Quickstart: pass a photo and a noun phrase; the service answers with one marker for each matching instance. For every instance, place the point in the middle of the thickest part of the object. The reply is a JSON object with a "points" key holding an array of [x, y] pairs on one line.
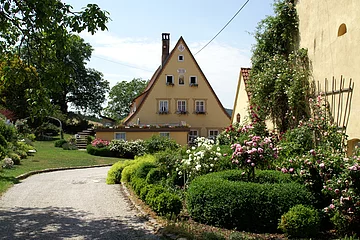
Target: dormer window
{"points": [[181, 58], [170, 80], [193, 81]]}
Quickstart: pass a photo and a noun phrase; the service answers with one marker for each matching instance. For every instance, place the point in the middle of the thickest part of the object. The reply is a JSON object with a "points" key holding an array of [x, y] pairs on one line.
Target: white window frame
{"points": [[165, 134], [181, 56], [198, 106], [211, 133], [163, 106], [122, 136], [168, 82], [193, 83], [181, 106]]}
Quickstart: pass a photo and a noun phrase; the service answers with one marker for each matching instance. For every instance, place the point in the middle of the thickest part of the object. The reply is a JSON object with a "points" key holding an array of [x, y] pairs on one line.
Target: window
{"points": [[181, 58], [193, 134], [200, 107], [181, 80], [163, 106], [120, 136], [193, 81], [165, 134], [169, 80], [181, 106], [213, 134]]}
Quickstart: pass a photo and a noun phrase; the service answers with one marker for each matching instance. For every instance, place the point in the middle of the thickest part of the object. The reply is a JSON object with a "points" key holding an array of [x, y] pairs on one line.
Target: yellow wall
{"points": [[241, 103], [215, 117], [330, 54], [179, 137]]}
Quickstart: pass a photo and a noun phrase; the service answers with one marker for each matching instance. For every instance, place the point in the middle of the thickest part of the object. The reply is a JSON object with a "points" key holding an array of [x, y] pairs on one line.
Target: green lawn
{"points": [[48, 156]]}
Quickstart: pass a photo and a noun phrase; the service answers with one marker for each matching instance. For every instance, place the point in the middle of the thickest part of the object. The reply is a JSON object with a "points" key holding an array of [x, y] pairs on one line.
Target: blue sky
{"points": [[132, 44]]}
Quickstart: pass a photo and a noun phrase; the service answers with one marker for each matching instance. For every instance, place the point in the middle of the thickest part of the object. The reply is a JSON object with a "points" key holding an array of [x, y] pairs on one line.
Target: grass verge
{"points": [[48, 156]]}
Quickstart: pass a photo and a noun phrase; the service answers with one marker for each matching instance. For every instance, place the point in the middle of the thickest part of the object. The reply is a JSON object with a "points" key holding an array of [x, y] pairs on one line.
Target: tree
{"points": [[28, 30], [121, 96], [280, 70]]}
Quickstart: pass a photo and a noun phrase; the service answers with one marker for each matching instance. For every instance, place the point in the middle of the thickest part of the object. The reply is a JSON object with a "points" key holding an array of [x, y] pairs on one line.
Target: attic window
{"points": [[342, 29], [193, 81], [169, 80], [181, 58]]}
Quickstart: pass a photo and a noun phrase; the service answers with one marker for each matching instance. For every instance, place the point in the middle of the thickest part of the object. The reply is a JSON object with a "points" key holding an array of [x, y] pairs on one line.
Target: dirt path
{"points": [[72, 204]]}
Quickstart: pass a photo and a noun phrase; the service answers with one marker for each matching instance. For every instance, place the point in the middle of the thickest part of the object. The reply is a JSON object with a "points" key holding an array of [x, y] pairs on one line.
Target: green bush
{"points": [[144, 169], [59, 143], [103, 152], [145, 190], [114, 174], [155, 175], [224, 199], [153, 193], [129, 171], [157, 143], [16, 158], [21, 153], [8, 131], [137, 184], [69, 146], [300, 222], [128, 149], [167, 204]]}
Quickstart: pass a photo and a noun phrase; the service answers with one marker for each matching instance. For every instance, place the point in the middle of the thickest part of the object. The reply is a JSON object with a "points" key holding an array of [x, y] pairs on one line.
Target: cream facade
{"points": [[331, 33], [179, 94], [242, 98]]}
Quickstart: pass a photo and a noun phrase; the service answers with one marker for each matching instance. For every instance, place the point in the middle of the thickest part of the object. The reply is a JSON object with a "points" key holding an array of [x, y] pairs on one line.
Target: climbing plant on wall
{"points": [[280, 70]]}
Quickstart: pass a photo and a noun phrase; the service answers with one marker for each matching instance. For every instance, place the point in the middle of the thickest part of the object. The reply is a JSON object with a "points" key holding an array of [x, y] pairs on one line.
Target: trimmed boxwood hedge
{"points": [[225, 199], [102, 152]]}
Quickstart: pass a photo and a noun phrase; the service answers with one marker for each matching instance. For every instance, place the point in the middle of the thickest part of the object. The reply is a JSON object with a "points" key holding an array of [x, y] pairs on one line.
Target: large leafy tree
{"points": [[121, 96], [280, 70], [36, 33]]}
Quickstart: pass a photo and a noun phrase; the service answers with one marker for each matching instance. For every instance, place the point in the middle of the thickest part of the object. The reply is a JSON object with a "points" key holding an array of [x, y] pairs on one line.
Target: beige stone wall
{"points": [[332, 55]]}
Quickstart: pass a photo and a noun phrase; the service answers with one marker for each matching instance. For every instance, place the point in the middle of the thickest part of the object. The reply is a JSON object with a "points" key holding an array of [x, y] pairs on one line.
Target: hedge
{"points": [[102, 152], [224, 199], [114, 174]]}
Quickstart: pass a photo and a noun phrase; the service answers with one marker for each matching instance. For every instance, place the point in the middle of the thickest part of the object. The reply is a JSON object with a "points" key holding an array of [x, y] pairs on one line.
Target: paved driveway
{"points": [[72, 204]]}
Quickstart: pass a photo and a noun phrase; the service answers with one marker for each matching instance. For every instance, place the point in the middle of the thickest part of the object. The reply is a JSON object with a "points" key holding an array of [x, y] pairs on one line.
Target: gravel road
{"points": [[71, 204]]}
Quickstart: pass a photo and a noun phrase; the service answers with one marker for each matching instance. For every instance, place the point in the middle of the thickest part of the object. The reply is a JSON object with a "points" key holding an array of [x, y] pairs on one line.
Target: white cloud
{"points": [[220, 62]]}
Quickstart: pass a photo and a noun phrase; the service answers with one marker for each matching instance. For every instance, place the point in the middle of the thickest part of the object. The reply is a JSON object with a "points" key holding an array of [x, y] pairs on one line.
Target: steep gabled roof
{"points": [[158, 72]]}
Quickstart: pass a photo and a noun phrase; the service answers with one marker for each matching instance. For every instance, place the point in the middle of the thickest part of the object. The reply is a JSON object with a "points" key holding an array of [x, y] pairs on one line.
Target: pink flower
{"points": [[253, 164], [312, 152], [332, 206], [337, 191], [291, 170], [322, 165], [284, 170]]}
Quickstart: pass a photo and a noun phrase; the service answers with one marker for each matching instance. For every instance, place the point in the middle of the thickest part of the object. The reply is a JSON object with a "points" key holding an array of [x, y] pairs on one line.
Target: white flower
{"points": [[193, 148], [197, 167], [211, 165], [180, 173], [188, 151], [218, 149]]}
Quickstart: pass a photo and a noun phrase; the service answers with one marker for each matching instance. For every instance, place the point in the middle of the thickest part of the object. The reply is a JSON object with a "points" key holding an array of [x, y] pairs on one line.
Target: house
{"points": [[107, 121], [177, 98], [330, 32], [242, 98]]}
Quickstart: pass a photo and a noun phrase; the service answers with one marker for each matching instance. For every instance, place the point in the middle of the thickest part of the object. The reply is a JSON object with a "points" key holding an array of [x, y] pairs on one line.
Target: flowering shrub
{"points": [[99, 143], [128, 149], [344, 189], [201, 159], [256, 152], [7, 163]]}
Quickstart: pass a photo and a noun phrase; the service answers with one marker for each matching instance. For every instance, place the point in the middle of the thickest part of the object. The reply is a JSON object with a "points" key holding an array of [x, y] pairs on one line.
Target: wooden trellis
{"points": [[338, 101]]}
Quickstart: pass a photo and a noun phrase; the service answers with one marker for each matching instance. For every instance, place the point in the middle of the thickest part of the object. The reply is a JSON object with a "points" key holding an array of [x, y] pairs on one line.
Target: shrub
{"points": [[129, 171], [15, 158], [155, 175], [114, 174], [222, 200], [157, 143], [143, 169], [103, 152], [137, 184], [153, 193], [212, 236], [167, 204], [145, 190], [99, 143], [31, 137], [7, 163], [300, 222], [237, 236], [128, 149], [21, 153], [69, 146], [59, 143]]}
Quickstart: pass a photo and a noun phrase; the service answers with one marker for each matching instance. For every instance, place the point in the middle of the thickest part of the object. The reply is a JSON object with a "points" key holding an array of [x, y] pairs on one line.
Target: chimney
{"points": [[165, 46]]}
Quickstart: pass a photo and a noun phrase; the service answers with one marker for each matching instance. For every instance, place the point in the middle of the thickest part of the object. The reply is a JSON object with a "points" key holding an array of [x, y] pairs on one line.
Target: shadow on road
{"points": [[66, 223]]}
